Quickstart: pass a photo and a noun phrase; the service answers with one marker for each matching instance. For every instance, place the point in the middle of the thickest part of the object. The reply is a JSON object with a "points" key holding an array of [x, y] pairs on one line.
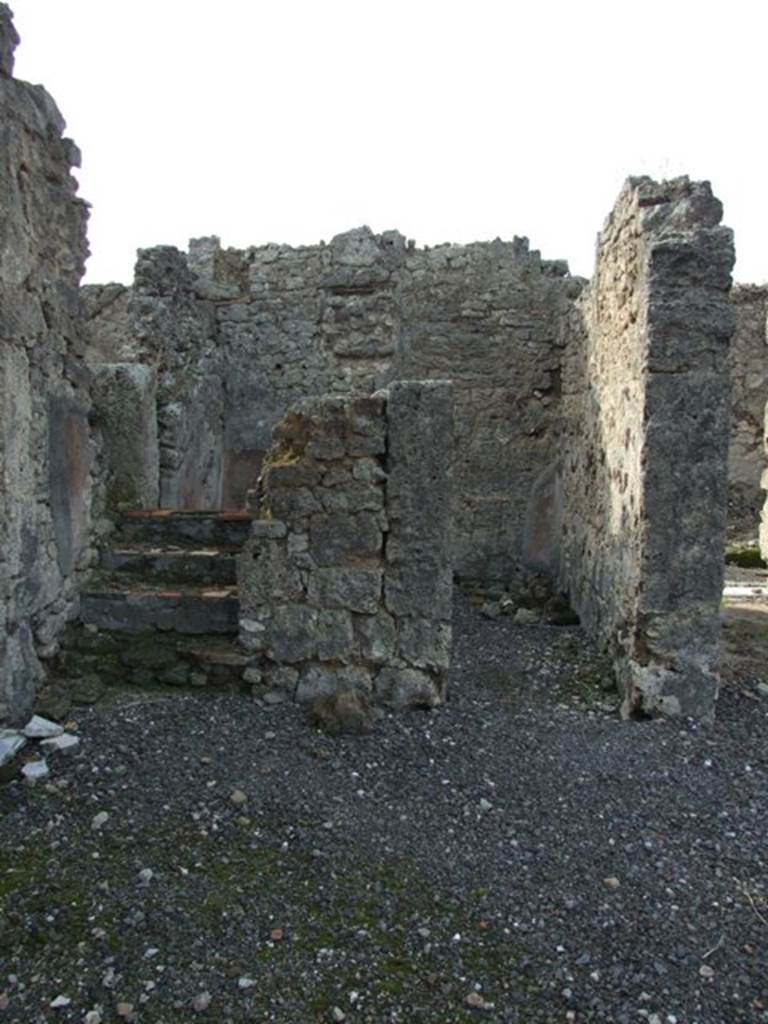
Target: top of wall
{"points": [[361, 255], [9, 40]]}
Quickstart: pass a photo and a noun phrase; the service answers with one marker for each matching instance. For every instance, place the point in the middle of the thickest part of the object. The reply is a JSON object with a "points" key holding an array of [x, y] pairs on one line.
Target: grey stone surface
{"points": [[38, 728], [645, 461], [9, 40], [125, 402], [11, 742], [349, 316], [748, 360], [46, 455], [108, 324], [319, 596]]}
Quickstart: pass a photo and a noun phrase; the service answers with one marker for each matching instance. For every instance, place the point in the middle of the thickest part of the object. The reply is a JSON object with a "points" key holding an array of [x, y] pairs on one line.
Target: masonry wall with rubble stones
{"points": [[749, 392], [645, 454], [287, 323], [346, 580], [46, 452]]}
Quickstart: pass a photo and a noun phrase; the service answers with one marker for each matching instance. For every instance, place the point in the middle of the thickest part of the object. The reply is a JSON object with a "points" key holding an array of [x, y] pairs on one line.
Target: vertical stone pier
{"points": [[46, 454], [645, 476]]}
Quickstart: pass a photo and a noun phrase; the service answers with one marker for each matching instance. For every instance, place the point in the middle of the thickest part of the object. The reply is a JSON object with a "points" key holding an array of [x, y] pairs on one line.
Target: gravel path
{"points": [[519, 856]]}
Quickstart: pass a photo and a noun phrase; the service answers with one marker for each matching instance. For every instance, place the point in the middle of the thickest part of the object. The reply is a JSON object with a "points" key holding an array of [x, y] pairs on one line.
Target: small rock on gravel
{"points": [[39, 728], [34, 771], [63, 742], [201, 1002], [476, 1002], [99, 820]]}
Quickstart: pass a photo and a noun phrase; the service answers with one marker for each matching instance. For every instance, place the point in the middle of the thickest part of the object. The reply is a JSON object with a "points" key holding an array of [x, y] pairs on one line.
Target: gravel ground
{"points": [[521, 855]]}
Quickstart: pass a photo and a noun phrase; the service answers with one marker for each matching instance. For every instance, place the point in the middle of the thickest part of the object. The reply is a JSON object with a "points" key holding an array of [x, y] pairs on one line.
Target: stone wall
{"points": [[749, 393], [645, 454], [165, 323], [46, 454], [346, 581], [350, 316]]}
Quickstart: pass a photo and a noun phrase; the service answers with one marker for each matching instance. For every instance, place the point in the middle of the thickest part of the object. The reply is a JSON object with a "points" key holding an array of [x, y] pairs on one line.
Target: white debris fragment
{"points": [[38, 728], [63, 742], [99, 820], [34, 771], [11, 742]]}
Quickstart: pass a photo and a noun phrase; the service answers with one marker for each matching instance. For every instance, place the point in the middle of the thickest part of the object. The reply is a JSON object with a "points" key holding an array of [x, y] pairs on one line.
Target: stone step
{"points": [[174, 528], [153, 657], [182, 565], [108, 605]]}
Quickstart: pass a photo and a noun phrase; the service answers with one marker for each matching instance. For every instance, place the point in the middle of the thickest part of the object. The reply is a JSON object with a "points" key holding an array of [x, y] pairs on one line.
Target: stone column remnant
{"points": [[645, 466], [345, 582]]}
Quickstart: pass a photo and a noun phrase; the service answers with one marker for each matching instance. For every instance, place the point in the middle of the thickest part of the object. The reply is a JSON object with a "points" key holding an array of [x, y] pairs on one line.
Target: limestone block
{"points": [[334, 539], [425, 643], [376, 637], [358, 590], [293, 633], [420, 589], [335, 636], [267, 574]]}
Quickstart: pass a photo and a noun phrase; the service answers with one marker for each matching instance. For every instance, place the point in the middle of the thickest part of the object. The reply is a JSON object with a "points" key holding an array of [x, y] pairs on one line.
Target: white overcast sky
{"points": [[457, 120]]}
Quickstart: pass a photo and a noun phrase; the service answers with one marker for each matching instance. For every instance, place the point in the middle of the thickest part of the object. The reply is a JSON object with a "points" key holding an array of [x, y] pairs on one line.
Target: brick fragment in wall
{"points": [[645, 460]]}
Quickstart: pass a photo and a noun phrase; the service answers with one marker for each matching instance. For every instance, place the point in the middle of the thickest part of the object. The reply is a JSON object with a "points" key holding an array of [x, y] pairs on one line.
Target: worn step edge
{"points": [[167, 611], [192, 565]]}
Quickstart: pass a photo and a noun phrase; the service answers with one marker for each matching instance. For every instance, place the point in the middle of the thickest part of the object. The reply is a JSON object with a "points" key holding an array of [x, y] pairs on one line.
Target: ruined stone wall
{"points": [[645, 456], [365, 309], [165, 323], [749, 392], [46, 456], [486, 316], [107, 323], [346, 581]]}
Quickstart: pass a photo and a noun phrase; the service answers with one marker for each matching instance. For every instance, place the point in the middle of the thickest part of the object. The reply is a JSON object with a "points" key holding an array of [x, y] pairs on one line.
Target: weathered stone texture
{"points": [[644, 471], [366, 309], [749, 391], [351, 587], [46, 455], [485, 316], [108, 324], [125, 410]]}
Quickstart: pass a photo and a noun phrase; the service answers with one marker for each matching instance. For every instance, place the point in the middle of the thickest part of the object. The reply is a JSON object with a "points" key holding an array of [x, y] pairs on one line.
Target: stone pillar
{"points": [[645, 470], [345, 583]]}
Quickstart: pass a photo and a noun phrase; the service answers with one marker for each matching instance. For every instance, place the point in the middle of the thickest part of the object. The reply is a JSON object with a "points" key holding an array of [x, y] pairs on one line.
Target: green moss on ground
{"points": [[745, 558]]}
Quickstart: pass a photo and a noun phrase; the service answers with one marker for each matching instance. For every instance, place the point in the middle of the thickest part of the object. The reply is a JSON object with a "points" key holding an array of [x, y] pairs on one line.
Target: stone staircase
{"points": [[163, 606]]}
